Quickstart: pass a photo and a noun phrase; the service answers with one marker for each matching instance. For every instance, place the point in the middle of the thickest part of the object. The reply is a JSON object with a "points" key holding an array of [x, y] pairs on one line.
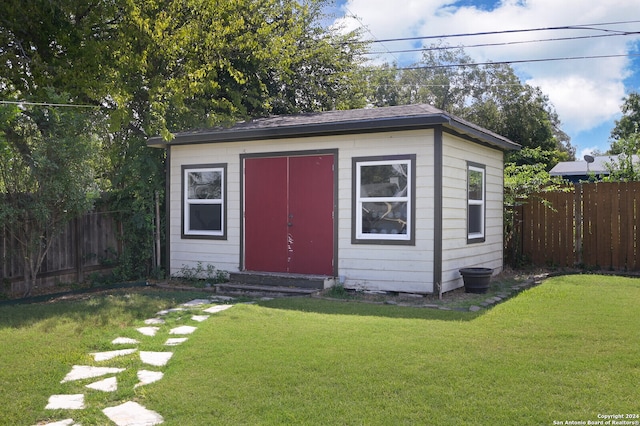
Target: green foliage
{"points": [[160, 67], [626, 166], [46, 176], [628, 125], [524, 182], [626, 143], [338, 292], [200, 275], [491, 96]]}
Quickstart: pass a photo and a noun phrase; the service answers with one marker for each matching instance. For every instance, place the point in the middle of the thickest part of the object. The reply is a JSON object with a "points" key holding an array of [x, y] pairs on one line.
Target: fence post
{"points": [[578, 223], [79, 226]]}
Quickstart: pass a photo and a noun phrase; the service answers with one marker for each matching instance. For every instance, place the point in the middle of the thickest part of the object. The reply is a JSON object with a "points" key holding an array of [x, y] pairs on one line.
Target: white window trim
{"points": [[477, 236], [187, 231], [361, 200]]}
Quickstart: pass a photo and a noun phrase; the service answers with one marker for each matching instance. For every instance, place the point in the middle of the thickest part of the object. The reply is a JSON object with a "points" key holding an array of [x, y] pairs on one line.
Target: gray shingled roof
{"points": [[402, 117], [580, 168]]}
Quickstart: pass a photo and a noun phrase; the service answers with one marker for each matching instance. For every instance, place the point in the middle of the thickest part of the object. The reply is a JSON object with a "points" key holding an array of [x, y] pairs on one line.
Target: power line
{"points": [[354, 16], [564, 27], [506, 43], [48, 104], [568, 58]]}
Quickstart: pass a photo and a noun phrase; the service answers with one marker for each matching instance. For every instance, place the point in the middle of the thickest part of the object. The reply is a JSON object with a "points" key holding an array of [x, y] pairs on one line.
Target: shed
{"points": [[393, 199]]}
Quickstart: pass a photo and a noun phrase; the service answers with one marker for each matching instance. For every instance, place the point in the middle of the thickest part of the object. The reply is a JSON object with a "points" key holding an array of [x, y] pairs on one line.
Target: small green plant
{"points": [[110, 257], [200, 275], [338, 292]]}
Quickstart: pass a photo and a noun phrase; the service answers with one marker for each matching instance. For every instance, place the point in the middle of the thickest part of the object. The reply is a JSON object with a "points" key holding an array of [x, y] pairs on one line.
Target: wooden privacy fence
{"points": [[87, 244], [594, 225]]}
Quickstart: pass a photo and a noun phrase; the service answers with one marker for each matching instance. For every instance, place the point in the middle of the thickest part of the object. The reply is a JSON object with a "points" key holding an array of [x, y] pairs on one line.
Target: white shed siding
{"points": [[382, 267], [456, 252], [223, 254], [389, 267]]}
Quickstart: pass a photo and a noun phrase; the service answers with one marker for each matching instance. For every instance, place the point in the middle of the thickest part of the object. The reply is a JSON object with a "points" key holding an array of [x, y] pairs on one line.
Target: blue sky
{"points": [[586, 93]]}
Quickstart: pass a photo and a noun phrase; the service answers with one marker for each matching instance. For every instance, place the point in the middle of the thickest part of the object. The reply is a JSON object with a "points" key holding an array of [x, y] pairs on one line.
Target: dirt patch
{"points": [[503, 286]]}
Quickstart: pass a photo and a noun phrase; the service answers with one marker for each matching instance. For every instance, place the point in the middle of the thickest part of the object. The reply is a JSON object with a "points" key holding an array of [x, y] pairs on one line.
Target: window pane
{"points": [[205, 217], [386, 180], [475, 185], [384, 218], [475, 219], [205, 185]]}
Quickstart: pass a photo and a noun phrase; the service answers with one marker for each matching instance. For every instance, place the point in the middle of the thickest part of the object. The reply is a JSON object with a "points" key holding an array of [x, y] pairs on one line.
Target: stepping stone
{"points": [[175, 341], [65, 422], [197, 302], [221, 299], [217, 308], [107, 385], [146, 377], [184, 329], [124, 341], [166, 311], [152, 321], [199, 318], [148, 331], [157, 359], [65, 402], [132, 414], [104, 356], [79, 372]]}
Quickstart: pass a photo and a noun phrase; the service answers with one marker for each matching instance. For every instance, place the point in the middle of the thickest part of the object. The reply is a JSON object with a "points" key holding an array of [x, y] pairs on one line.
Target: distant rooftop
{"points": [[582, 168]]}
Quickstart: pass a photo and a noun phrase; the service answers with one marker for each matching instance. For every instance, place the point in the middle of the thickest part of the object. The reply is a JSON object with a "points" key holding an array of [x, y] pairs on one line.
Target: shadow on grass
{"points": [[92, 308], [350, 307]]}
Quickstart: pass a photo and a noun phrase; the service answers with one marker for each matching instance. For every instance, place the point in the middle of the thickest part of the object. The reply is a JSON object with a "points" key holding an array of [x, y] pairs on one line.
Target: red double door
{"points": [[289, 214]]}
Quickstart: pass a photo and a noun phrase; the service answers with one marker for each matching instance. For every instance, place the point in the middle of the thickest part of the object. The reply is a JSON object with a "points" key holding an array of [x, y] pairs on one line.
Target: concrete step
{"points": [[253, 290], [266, 279]]}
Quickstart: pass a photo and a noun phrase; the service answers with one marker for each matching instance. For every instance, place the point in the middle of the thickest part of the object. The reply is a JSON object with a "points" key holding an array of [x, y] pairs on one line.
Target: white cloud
{"points": [[582, 103], [586, 93], [586, 151]]}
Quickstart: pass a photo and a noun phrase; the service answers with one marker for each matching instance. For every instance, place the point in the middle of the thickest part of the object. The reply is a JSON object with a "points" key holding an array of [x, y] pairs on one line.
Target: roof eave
{"points": [[303, 130], [386, 124], [495, 140]]}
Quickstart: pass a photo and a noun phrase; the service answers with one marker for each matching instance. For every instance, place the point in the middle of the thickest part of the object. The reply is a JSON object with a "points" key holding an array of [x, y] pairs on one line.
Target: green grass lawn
{"points": [[566, 350]]}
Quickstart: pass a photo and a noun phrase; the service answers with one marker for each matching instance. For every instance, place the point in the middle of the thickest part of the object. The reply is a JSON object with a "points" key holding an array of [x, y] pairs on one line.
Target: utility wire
{"points": [[48, 104], [354, 16], [506, 43], [564, 27], [568, 58]]}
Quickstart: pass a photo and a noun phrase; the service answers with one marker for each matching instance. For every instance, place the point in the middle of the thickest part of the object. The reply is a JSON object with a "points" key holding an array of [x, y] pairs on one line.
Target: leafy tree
{"points": [[382, 87], [46, 177], [626, 166], [489, 95], [524, 182], [627, 127], [494, 97], [161, 67], [435, 81]]}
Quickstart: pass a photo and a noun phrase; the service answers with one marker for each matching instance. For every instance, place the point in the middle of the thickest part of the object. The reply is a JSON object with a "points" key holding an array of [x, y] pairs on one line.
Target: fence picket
{"points": [[594, 225], [81, 247]]}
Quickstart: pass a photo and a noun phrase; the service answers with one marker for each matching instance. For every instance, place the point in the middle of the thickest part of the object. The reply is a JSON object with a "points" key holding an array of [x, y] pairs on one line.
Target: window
{"points": [[204, 206], [475, 202], [384, 200]]}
